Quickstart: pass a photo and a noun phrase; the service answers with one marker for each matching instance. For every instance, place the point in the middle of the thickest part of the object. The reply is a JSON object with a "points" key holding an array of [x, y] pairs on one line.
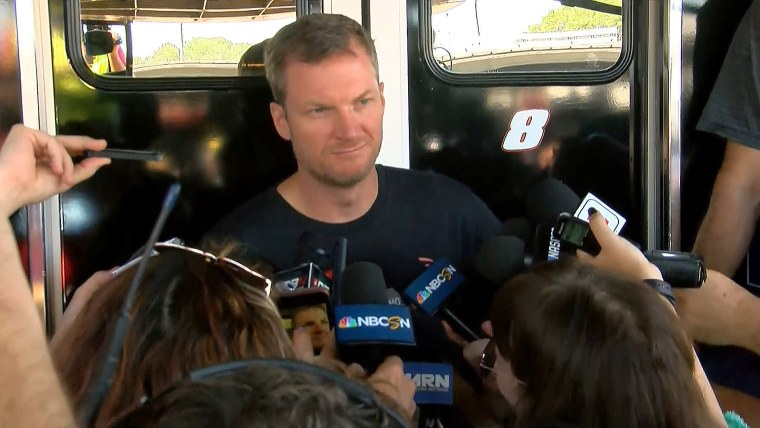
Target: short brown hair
{"points": [[311, 39], [596, 350], [262, 396]]}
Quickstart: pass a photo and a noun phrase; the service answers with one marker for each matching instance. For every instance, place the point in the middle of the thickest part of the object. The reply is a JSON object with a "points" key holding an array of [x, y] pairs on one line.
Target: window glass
{"points": [[179, 38], [503, 36]]}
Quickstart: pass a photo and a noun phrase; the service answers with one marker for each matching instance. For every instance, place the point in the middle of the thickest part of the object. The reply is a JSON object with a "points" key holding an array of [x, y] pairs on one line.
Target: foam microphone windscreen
{"points": [[311, 248], [500, 258], [519, 227], [363, 283], [547, 199]]}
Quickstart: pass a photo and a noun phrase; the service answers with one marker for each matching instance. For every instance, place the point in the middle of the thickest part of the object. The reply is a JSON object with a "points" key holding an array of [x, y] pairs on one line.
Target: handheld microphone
{"points": [[432, 287], [547, 199], [500, 258], [368, 329], [519, 227]]}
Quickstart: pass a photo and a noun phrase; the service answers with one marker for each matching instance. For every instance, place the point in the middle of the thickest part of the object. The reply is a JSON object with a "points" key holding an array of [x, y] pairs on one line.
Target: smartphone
{"points": [[310, 309], [124, 154]]}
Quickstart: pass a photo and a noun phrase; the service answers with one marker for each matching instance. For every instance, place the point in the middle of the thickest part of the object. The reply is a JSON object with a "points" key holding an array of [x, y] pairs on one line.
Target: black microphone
{"points": [[519, 227], [367, 328], [500, 258], [547, 199]]}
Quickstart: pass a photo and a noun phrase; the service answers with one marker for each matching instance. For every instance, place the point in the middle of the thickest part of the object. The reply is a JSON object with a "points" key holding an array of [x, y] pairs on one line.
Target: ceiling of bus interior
{"points": [[191, 10]]}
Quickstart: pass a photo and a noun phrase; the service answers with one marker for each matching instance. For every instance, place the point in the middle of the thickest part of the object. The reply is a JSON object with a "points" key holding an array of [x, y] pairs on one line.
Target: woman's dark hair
{"points": [[595, 350], [189, 313]]}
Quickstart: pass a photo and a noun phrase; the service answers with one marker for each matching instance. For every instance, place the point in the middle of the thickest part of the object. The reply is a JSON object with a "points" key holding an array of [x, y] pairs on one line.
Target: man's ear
{"points": [[280, 120], [382, 95]]}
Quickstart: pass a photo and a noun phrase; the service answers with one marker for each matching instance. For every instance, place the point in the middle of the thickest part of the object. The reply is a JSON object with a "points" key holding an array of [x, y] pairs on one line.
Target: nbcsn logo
{"points": [[394, 322], [422, 296], [347, 322]]}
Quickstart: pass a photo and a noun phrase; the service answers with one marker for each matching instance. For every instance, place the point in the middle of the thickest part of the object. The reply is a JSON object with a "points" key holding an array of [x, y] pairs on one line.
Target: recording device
{"points": [[564, 233], [432, 287], [679, 269], [367, 328], [307, 308], [124, 154]]}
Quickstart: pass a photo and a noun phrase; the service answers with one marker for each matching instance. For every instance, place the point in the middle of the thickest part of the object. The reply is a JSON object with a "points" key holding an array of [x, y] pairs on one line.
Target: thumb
{"points": [[487, 328], [330, 350], [302, 346]]}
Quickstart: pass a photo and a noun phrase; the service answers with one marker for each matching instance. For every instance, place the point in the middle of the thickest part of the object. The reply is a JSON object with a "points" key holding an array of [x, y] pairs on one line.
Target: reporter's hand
{"points": [[81, 296], [35, 166], [389, 379], [327, 358], [617, 254]]}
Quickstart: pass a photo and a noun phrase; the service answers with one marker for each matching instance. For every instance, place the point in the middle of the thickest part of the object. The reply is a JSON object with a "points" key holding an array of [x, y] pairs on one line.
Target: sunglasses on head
{"points": [[236, 269]]}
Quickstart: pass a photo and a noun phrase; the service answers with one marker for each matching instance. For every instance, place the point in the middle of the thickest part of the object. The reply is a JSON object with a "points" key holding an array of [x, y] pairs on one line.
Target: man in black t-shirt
{"points": [[328, 101], [732, 112]]}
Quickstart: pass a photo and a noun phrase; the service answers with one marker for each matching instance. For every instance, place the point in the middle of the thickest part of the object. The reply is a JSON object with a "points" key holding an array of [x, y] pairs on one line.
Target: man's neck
{"points": [[329, 204]]}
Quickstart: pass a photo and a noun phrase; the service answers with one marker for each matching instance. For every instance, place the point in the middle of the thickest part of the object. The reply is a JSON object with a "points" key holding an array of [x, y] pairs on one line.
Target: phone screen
{"points": [[314, 319], [574, 232], [309, 309]]}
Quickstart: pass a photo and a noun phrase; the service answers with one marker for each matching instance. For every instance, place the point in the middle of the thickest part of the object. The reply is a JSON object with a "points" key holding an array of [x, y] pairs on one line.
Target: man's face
{"points": [[333, 114], [314, 319]]}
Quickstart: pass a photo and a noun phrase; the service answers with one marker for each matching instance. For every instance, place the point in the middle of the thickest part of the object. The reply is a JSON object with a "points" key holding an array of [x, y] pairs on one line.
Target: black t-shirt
{"points": [[733, 109], [417, 215]]}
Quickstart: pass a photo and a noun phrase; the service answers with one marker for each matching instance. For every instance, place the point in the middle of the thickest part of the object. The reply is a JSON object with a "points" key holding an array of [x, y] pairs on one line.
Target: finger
{"points": [[474, 351], [603, 234], [330, 349], [390, 365], [355, 371], [96, 280], [68, 169], [47, 149], [87, 168], [487, 328], [76, 144], [453, 336], [302, 346]]}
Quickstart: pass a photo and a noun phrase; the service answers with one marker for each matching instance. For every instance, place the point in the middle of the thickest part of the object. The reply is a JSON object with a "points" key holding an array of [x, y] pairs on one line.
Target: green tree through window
{"points": [[567, 18]]}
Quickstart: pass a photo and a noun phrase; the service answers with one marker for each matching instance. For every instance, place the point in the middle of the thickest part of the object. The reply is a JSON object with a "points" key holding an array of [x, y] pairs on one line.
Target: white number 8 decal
{"points": [[526, 130]]}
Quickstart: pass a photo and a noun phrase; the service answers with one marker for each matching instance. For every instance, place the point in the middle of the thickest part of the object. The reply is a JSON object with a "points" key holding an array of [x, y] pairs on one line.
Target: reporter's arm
{"points": [[619, 255], [33, 166], [31, 393], [728, 226], [720, 312]]}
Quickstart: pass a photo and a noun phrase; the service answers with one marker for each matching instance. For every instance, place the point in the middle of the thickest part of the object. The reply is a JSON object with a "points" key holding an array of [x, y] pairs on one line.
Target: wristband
{"points": [[663, 289]]}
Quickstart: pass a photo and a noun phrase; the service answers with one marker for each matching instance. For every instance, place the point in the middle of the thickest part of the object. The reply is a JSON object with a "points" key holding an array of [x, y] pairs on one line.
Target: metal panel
{"points": [[672, 146]]}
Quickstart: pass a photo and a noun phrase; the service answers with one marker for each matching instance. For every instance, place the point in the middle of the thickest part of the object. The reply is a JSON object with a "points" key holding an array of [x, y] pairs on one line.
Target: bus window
{"points": [[177, 39], [528, 36]]}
